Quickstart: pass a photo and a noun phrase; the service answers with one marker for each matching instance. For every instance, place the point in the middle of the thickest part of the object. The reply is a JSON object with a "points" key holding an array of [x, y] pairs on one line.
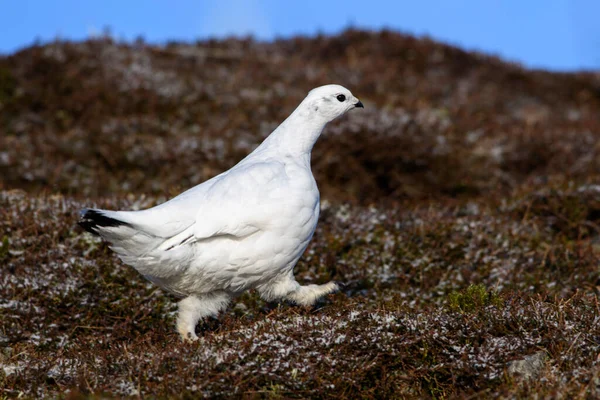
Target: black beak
{"points": [[359, 104]]}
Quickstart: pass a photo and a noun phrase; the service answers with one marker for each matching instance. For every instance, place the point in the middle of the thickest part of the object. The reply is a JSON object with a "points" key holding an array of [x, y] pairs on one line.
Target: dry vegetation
{"points": [[462, 209]]}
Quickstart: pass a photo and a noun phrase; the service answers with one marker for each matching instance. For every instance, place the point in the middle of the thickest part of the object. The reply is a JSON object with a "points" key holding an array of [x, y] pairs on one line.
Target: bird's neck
{"points": [[297, 135]]}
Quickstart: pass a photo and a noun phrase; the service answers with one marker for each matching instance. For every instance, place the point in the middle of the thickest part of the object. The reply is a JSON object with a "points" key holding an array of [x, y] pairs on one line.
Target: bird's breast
{"points": [[286, 219]]}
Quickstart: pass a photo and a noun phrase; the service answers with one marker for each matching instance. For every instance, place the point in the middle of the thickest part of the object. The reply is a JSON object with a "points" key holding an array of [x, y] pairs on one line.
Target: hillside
{"points": [[461, 207]]}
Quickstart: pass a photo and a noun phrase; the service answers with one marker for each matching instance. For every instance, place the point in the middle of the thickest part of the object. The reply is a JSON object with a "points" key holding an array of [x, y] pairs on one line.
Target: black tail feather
{"points": [[91, 219]]}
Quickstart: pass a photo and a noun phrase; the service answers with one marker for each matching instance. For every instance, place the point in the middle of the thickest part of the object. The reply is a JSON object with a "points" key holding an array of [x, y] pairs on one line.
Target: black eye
{"points": [[341, 97]]}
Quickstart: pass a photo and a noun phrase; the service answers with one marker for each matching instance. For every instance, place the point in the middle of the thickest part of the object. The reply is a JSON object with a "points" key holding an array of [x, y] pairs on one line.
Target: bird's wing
{"points": [[240, 204], [237, 204]]}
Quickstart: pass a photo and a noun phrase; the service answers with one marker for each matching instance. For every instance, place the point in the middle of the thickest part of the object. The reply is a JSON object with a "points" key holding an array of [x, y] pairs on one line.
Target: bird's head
{"points": [[331, 101]]}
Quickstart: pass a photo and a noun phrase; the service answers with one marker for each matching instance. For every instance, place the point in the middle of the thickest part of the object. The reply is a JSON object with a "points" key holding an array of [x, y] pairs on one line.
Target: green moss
{"points": [[473, 298]]}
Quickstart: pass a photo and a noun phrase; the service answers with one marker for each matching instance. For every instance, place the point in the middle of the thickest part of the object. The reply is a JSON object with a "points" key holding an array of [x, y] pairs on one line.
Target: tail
{"points": [[93, 220], [132, 243]]}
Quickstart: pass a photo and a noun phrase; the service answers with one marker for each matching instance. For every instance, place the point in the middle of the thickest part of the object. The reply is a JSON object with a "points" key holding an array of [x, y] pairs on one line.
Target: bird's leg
{"points": [[287, 288], [196, 307], [309, 294]]}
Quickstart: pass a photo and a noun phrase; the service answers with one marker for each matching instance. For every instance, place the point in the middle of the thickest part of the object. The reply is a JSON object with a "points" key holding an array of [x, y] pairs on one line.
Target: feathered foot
{"points": [[196, 307]]}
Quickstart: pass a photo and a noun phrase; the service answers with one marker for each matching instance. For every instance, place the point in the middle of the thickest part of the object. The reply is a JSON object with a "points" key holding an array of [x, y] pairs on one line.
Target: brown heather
{"points": [[462, 209]]}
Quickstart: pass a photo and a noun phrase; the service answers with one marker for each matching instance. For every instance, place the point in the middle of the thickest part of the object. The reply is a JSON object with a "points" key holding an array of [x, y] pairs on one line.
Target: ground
{"points": [[461, 209]]}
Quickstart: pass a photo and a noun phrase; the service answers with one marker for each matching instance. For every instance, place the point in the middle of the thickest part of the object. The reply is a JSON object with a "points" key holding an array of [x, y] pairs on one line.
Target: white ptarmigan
{"points": [[243, 229]]}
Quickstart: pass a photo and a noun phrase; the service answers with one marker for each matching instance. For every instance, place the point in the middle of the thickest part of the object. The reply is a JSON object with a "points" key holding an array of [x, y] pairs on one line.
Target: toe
{"points": [[335, 287], [341, 285]]}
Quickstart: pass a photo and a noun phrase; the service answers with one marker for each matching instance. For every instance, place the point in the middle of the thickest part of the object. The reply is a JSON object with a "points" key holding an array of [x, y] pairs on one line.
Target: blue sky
{"points": [[551, 34]]}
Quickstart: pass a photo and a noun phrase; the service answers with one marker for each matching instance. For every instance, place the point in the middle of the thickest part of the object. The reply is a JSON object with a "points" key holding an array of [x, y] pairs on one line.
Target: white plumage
{"points": [[243, 229]]}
